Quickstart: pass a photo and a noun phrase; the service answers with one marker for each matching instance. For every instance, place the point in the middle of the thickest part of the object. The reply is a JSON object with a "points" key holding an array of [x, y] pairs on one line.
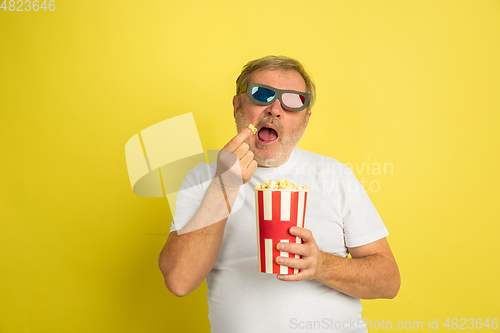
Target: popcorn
{"points": [[283, 184], [252, 127]]}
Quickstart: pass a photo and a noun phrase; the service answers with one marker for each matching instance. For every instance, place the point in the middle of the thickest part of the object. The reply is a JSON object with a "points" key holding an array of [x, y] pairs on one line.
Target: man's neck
{"points": [[275, 166]]}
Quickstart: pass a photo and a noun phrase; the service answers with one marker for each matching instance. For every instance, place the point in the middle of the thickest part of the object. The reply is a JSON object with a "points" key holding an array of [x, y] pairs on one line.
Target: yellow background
{"points": [[411, 83]]}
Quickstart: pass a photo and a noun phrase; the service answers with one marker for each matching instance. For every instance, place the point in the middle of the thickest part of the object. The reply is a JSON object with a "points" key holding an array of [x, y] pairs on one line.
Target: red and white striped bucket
{"points": [[277, 211]]}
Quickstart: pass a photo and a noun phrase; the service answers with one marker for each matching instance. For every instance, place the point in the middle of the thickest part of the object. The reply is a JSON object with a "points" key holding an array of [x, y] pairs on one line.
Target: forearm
{"points": [[186, 259], [373, 276], [190, 253]]}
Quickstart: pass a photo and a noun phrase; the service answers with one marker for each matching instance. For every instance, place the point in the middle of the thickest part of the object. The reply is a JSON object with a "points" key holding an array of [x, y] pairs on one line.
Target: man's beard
{"points": [[287, 143]]}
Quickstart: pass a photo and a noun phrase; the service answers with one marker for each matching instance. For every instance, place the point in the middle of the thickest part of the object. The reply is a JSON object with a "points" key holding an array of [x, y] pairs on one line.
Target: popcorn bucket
{"points": [[277, 210]]}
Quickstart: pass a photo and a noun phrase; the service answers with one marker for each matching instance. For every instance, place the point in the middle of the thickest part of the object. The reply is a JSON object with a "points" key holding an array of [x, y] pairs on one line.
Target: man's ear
{"points": [[235, 100], [308, 115]]}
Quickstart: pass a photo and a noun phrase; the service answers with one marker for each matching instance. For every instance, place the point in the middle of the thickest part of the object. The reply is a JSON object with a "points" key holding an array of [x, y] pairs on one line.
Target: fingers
{"points": [[252, 167], [293, 277], [248, 166], [242, 149], [293, 248], [303, 233], [247, 158], [302, 265], [226, 160], [238, 139], [237, 151], [292, 262], [310, 261]]}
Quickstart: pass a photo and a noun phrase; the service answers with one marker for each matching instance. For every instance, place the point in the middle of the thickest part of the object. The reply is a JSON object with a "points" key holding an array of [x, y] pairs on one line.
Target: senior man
{"points": [[213, 233]]}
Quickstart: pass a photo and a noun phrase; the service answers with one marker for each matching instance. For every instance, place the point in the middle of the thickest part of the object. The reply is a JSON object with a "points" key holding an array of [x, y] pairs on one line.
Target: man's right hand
{"points": [[185, 261], [235, 163]]}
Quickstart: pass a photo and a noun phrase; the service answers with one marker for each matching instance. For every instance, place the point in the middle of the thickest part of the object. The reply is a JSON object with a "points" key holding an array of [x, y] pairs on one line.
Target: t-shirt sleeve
{"points": [[190, 195], [362, 223]]}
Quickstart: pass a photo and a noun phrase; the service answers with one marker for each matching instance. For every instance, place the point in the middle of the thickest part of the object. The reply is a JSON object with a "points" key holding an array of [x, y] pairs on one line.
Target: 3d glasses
{"points": [[261, 94]]}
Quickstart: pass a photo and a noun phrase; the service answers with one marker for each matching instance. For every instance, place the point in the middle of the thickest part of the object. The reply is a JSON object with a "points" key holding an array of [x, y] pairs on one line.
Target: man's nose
{"points": [[275, 109]]}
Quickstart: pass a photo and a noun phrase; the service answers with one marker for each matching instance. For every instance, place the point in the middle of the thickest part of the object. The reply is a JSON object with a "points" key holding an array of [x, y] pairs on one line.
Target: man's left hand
{"points": [[312, 258]]}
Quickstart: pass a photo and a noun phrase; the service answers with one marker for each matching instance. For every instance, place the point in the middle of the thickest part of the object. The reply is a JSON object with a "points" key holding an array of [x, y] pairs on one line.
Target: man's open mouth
{"points": [[267, 134]]}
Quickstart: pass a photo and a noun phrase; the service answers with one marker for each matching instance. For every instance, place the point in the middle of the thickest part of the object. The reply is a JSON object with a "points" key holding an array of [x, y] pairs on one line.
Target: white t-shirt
{"points": [[241, 299]]}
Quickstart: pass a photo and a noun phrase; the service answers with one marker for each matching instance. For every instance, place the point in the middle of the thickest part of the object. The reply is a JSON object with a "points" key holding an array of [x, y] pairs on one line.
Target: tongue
{"points": [[267, 134]]}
